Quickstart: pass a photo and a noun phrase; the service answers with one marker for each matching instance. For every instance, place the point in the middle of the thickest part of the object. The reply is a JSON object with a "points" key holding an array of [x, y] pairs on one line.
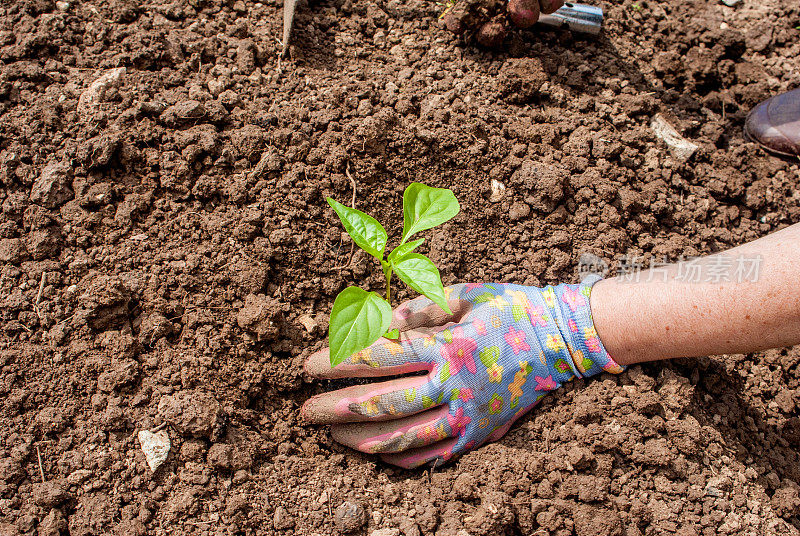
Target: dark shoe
{"points": [[775, 124]]}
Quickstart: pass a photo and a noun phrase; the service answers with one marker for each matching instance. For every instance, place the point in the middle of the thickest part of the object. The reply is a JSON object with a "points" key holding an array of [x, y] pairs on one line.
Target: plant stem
{"points": [[389, 287]]}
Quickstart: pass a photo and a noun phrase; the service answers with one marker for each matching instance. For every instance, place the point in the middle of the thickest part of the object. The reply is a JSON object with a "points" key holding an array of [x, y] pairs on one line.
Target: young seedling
{"points": [[359, 317]]}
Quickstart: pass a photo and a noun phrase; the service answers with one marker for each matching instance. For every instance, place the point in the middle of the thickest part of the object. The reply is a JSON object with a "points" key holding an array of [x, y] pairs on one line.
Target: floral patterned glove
{"points": [[502, 350]]}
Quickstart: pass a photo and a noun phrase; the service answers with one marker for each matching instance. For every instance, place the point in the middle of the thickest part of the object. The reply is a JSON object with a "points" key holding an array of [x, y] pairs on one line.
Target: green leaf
{"points": [[358, 319], [447, 335], [483, 298], [366, 231], [489, 355], [444, 375], [425, 207], [393, 334], [404, 249], [419, 273]]}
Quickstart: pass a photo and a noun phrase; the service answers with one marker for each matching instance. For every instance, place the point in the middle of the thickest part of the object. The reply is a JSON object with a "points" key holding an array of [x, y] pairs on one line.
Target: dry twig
{"points": [[39, 296], [41, 469], [352, 205]]}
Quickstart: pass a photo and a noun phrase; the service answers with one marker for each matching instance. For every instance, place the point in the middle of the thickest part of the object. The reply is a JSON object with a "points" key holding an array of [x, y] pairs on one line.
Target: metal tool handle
{"points": [[578, 18]]}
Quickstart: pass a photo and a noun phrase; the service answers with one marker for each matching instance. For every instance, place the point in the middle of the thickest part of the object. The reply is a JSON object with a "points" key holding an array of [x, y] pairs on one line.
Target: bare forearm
{"points": [[663, 315]]}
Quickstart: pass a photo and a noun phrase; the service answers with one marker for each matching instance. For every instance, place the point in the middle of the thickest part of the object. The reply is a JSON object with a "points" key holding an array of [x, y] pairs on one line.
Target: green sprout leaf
{"points": [[404, 249], [425, 207], [365, 230], [358, 319], [419, 273]]}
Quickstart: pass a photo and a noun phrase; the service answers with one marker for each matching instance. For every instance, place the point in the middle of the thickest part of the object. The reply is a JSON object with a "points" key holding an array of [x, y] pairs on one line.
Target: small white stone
{"points": [[96, 92], [681, 148], [62, 6], [498, 191], [155, 447]]}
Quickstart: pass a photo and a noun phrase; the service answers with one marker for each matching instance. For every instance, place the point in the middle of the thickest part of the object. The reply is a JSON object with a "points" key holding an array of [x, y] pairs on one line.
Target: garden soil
{"points": [[168, 259]]}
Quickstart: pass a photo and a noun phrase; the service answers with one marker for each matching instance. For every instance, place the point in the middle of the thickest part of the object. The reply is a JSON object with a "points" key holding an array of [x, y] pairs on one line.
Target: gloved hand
{"points": [[502, 350]]}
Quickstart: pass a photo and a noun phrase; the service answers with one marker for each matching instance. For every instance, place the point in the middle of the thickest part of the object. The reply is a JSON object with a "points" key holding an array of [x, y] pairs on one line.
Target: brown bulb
{"points": [[453, 23], [491, 34]]}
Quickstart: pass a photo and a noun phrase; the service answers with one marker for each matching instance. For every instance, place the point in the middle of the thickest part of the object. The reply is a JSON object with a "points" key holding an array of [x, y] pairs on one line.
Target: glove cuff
{"points": [[577, 327]]}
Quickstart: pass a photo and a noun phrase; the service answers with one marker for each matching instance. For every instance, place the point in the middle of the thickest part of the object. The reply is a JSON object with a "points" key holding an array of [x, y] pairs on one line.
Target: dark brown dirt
{"points": [[167, 257]]}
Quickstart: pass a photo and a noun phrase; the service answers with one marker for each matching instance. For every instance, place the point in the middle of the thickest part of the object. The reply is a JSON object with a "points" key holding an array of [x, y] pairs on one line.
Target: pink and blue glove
{"points": [[477, 371]]}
